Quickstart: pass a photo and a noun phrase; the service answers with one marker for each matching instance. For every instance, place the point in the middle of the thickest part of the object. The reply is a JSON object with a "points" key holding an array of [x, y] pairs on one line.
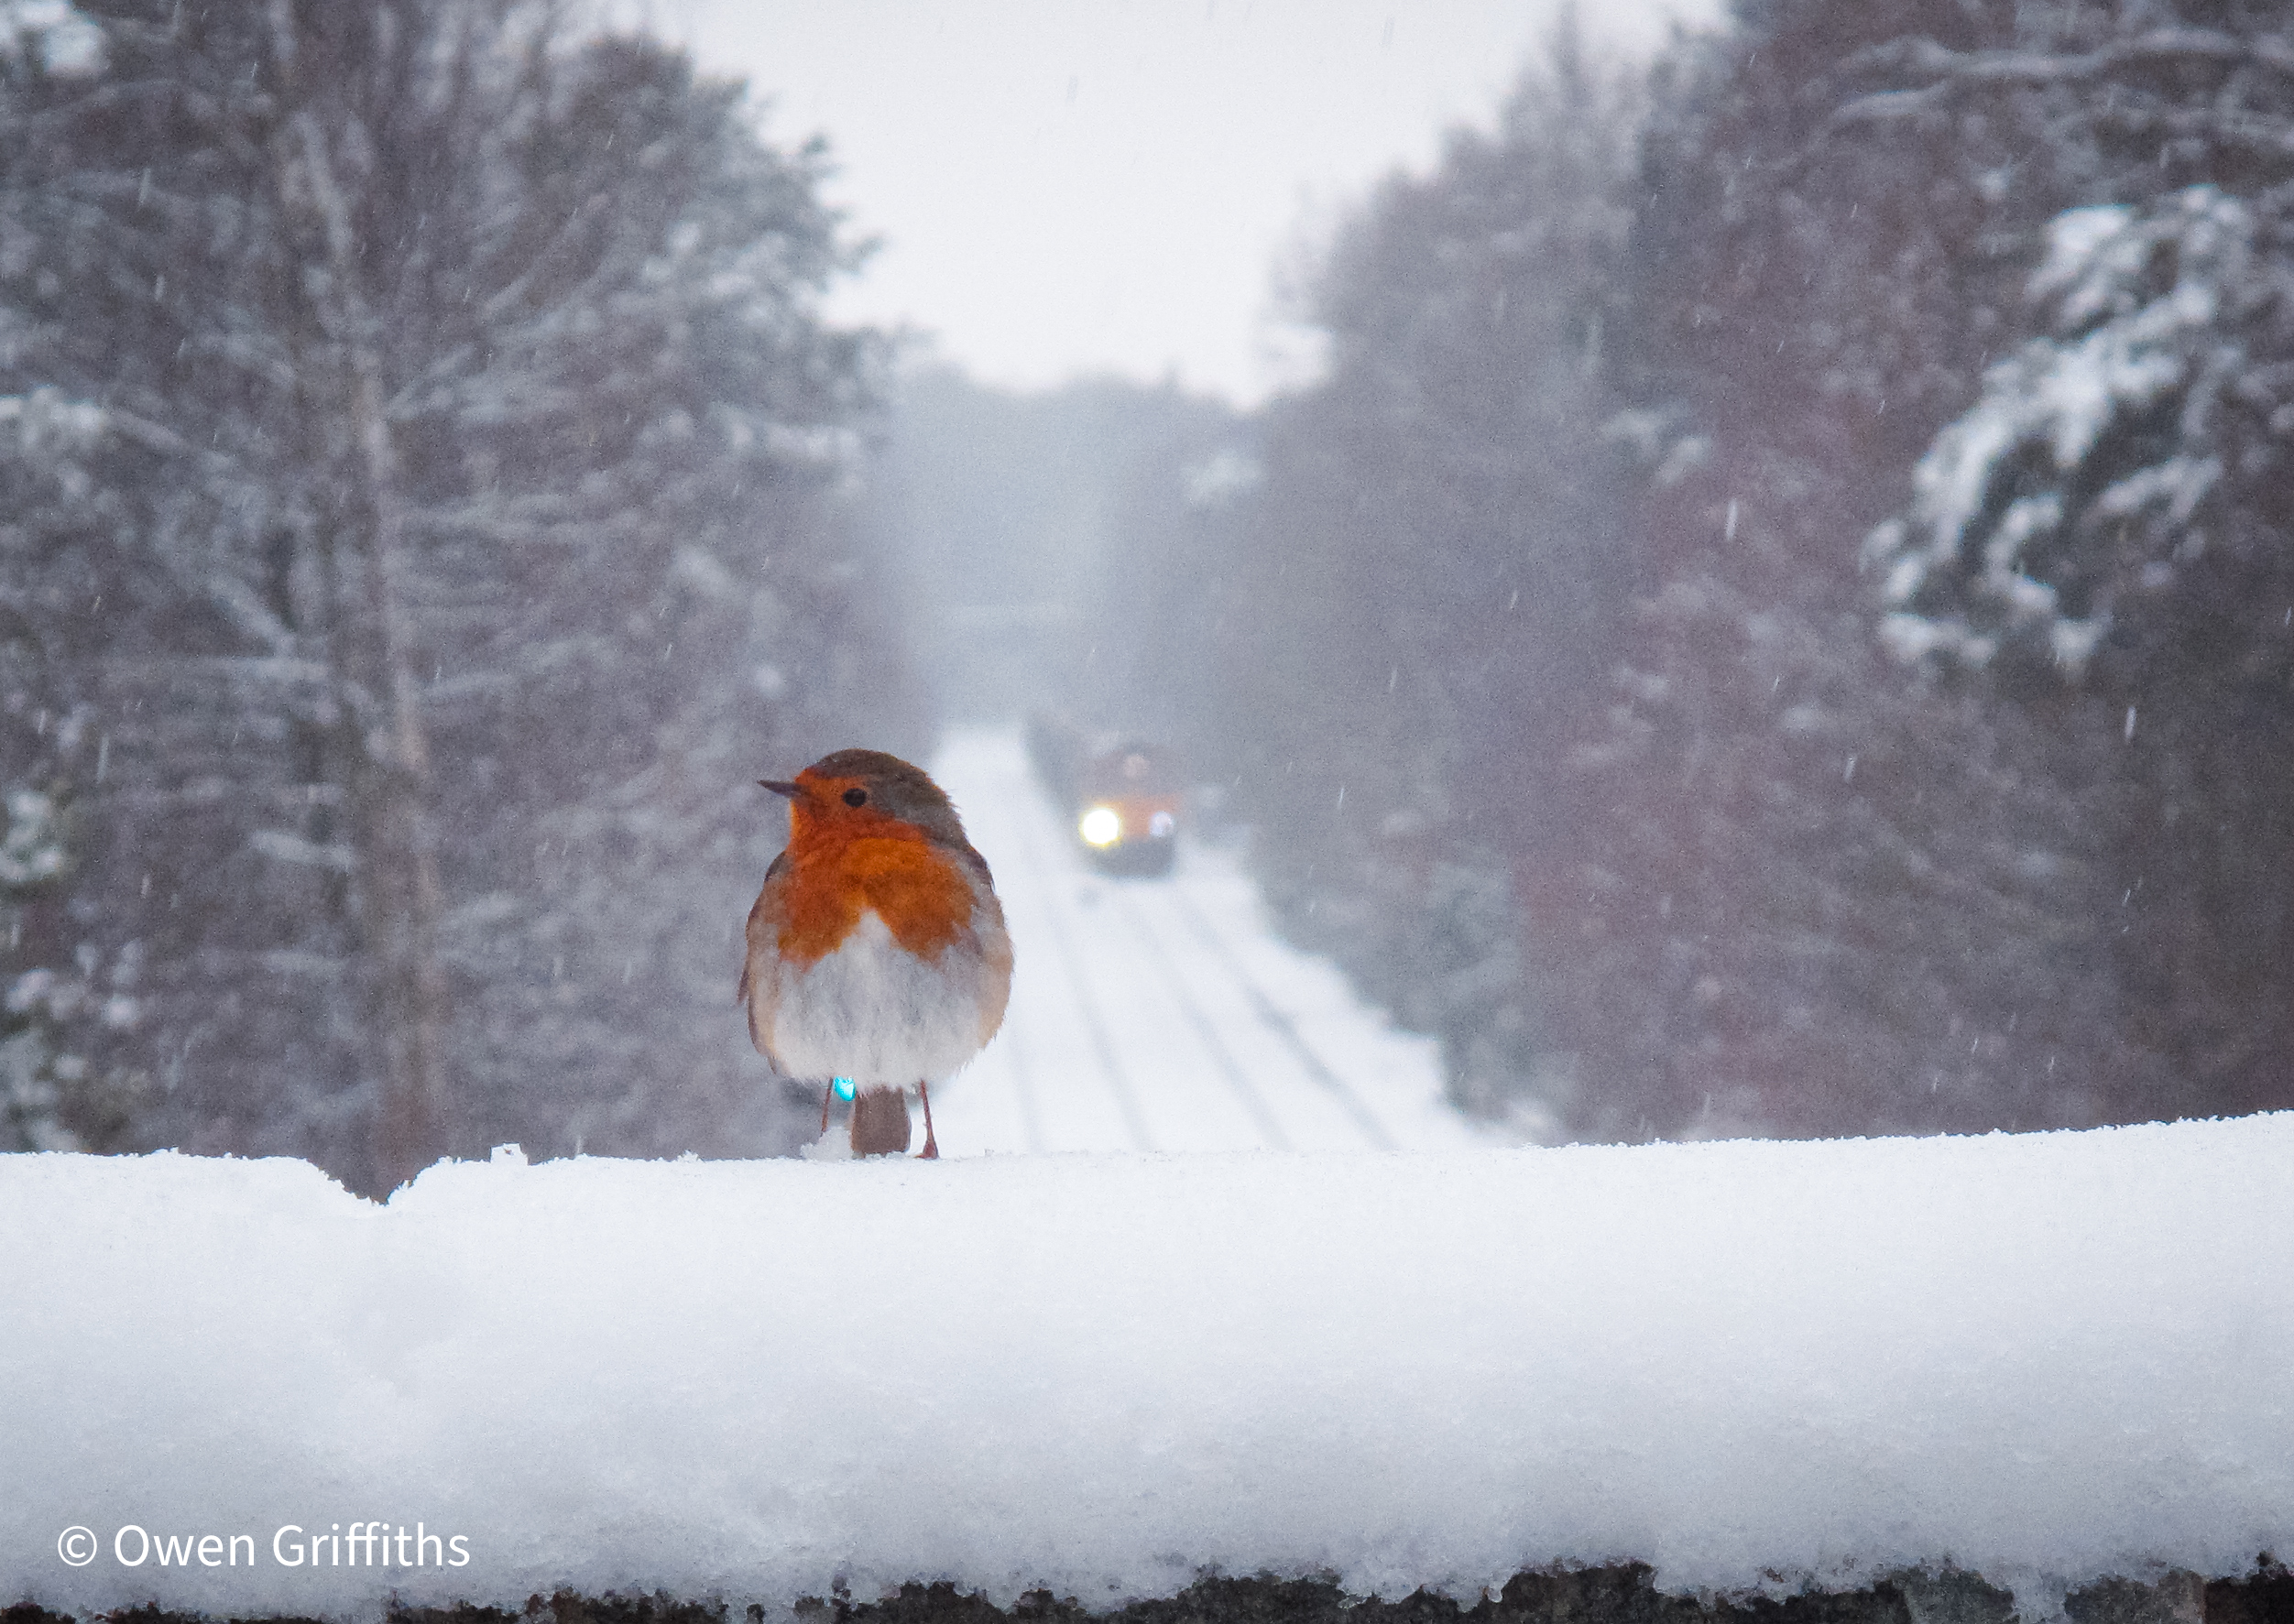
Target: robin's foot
{"points": [[931, 1152]]}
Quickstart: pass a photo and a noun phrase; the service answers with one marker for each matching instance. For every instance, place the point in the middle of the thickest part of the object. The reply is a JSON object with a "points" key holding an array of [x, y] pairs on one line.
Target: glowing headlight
{"points": [[1102, 826]]}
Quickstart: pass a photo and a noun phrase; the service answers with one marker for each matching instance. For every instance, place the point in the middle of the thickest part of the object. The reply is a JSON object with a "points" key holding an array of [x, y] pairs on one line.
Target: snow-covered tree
{"points": [[69, 1073], [2108, 518], [1429, 574], [1789, 893], [618, 419], [2113, 489], [471, 414], [1765, 877], [1763, 884], [2115, 494], [34, 1073]]}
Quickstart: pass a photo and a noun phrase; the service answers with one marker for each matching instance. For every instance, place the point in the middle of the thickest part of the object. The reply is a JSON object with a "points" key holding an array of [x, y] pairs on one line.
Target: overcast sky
{"points": [[1074, 186]]}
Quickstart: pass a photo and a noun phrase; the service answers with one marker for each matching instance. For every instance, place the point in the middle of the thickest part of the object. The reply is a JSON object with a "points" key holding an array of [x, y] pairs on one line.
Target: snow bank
{"points": [[2047, 1357]]}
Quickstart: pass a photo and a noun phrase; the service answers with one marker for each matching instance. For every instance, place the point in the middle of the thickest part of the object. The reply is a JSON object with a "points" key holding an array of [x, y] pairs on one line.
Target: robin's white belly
{"points": [[876, 1013]]}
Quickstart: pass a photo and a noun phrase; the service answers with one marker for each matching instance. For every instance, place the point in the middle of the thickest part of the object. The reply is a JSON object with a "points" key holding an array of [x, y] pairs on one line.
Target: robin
{"points": [[877, 952]]}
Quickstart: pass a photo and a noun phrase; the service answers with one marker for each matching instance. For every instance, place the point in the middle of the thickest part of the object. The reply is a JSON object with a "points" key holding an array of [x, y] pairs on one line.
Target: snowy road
{"points": [[1161, 1014]]}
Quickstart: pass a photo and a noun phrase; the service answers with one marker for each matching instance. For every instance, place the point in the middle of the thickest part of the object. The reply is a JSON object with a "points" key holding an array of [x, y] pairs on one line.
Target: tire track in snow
{"points": [[1086, 1004], [1158, 954], [1284, 1027]]}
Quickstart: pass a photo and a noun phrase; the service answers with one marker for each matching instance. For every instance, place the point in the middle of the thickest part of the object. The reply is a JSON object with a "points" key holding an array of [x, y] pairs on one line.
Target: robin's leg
{"points": [[826, 1093], [930, 1151]]}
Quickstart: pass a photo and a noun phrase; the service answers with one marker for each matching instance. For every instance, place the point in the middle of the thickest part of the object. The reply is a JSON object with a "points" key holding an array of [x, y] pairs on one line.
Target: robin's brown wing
{"points": [[760, 988], [748, 936], [995, 946]]}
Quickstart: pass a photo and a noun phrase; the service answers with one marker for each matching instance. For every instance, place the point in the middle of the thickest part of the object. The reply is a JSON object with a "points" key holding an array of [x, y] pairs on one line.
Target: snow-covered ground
{"points": [[2045, 1357], [1162, 1014]]}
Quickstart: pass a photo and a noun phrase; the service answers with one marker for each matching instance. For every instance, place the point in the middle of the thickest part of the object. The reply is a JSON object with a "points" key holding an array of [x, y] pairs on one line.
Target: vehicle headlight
{"points": [[1101, 826]]}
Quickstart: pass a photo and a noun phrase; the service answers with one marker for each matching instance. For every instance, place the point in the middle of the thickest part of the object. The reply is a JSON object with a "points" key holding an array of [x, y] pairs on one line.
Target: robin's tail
{"points": [[879, 1122]]}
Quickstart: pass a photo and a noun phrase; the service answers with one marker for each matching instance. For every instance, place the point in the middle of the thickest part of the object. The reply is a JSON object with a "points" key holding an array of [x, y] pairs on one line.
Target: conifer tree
{"points": [[1430, 576], [2105, 523]]}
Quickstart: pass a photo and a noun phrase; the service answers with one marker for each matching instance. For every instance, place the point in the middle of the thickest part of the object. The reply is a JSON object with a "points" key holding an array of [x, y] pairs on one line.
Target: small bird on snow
{"points": [[877, 952]]}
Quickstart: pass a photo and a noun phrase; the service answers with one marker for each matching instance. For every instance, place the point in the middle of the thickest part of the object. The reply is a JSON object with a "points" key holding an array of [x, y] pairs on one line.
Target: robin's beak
{"points": [[781, 787]]}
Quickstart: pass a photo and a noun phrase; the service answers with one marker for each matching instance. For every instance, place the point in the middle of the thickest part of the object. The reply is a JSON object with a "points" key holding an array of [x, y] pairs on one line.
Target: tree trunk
{"points": [[389, 793]]}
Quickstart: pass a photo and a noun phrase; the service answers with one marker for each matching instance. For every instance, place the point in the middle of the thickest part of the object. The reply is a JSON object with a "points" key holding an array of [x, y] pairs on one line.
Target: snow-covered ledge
{"points": [[2044, 1359]]}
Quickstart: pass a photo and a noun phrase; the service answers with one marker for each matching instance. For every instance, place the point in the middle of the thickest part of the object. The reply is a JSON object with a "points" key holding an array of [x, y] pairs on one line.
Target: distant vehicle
{"points": [[1128, 804], [1124, 796]]}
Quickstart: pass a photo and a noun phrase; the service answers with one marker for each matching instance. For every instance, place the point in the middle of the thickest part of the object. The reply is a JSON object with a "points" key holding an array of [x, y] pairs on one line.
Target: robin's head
{"points": [[856, 789]]}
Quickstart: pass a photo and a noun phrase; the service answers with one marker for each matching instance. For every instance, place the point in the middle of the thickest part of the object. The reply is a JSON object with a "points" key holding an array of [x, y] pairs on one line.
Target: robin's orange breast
{"points": [[914, 887]]}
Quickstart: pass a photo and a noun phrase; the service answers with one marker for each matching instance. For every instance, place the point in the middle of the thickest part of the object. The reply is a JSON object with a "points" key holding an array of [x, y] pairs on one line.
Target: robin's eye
{"points": [[856, 798]]}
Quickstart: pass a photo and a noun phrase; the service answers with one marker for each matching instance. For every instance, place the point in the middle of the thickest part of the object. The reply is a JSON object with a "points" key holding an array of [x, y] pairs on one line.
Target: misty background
{"points": [[1754, 598]]}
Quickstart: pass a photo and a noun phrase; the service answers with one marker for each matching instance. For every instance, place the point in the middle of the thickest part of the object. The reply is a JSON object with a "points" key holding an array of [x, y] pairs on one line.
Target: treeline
{"points": [[1041, 545], [1780, 616], [415, 434]]}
